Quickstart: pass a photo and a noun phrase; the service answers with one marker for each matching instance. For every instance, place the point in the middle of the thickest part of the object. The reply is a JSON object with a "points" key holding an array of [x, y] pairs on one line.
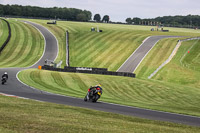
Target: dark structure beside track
{"points": [[9, 36], [102, 71], [53, 22]]}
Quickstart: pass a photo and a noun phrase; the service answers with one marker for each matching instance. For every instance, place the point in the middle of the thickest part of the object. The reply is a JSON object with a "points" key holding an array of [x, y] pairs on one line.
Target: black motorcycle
{"points": [[93, 95], [3, 80]]}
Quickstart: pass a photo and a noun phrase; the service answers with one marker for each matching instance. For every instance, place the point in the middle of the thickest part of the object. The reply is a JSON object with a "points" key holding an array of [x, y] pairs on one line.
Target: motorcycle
{"points": [[93, 95], [3, 80]]}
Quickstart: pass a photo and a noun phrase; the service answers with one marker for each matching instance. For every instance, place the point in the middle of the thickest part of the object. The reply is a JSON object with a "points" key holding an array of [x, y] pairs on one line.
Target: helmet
{"points": [[99, 85], [5, 73]]}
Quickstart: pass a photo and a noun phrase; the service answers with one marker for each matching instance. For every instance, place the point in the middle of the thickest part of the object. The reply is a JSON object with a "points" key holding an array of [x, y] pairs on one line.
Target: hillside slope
{"points": [[25, 47]]}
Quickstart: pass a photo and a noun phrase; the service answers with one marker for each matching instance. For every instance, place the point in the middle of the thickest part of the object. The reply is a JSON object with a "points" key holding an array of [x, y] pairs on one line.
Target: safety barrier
{"points": [[67, 48], [102, 71], [9, 36]]}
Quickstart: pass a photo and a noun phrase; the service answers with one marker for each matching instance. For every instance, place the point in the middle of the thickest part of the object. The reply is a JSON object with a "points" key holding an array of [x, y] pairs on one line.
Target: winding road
{"points": [[15, 87]]}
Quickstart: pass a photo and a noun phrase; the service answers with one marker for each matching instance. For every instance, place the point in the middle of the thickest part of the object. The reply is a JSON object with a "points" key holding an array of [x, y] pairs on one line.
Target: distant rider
{"points": [[5, 75]]}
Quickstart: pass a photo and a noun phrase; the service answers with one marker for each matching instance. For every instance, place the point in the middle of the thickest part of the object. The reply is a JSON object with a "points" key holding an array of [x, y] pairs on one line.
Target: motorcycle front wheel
{"points": [[95, 98]]}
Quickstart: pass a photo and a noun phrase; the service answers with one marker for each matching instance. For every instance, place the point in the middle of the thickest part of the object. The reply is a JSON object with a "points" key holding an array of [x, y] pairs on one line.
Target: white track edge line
{"points": [[134, 52], [146, 55], [44, 44]]}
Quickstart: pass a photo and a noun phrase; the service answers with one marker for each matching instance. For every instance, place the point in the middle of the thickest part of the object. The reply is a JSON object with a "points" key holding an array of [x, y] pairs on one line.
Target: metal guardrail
{"points": [[102, 71], [188, 39], [9, 36], [67, 48]]}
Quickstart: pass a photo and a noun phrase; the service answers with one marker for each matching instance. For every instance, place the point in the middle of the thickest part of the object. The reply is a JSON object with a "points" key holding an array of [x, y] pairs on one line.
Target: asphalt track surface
{"points": [[131, 64], [15, 87]]}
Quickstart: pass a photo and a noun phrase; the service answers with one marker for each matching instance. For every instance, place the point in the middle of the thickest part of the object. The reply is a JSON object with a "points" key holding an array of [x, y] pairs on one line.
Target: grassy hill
{"points": [[24, 48], [3, 31], [108, 49], [184, 69]]}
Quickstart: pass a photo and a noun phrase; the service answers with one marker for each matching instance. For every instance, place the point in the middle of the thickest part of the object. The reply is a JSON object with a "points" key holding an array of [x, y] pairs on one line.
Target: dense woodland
{"points": [[189, 21], [39, 12], [73, 14]]}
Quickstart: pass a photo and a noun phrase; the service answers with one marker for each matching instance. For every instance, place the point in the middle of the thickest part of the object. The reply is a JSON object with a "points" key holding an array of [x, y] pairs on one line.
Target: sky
{"points": [[119, 10]]}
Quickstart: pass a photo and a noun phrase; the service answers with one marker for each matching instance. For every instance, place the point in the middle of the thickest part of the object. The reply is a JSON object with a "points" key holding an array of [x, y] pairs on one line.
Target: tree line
{"points": [[71, 14], [97, 18], [189, 21]]}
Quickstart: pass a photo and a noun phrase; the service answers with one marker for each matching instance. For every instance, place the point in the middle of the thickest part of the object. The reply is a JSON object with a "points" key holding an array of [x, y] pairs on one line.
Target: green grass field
{"points": [[19, 115], [184, 69], [24, 48], [120, 90], [3, 31]]}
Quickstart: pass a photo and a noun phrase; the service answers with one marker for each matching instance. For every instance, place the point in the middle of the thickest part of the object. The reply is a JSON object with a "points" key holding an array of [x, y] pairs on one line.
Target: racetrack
{"points": [[15, 87], [131, 64]]}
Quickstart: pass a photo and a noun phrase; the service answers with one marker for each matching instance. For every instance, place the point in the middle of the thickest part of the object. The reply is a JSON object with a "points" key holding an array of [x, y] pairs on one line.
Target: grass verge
{"points": [[19, 115]]}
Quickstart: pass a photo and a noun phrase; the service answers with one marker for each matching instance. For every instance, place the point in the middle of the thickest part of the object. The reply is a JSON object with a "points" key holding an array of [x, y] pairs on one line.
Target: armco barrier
{"points": [[102, 71], [67, 48], [9, 36]]}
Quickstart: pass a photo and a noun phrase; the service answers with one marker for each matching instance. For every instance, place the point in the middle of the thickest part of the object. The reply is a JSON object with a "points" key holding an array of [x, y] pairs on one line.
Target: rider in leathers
{"points": [[90, 90]]}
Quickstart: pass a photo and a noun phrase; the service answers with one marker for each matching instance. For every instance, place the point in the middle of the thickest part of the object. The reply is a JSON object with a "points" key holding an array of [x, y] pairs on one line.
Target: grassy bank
{"points": [[24, 48], [122, 90], [19, 115], [108, 49], [185, 67], [159, 54]]}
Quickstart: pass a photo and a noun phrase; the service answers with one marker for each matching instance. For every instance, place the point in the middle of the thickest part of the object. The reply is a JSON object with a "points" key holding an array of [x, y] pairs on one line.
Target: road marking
{"points": [[8, 95], [134, 52]]}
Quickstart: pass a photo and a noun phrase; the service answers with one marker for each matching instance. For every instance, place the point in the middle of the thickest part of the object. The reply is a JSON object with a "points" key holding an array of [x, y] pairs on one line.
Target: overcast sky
{"points": [[119, 10]]}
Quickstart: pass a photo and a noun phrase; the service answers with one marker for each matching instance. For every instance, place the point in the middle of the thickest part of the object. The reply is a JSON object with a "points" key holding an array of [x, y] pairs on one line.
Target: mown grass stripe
{"points": [[22, 46], [92, 51], [61, 84], [94, 42], [117, 51], [30, 48]]}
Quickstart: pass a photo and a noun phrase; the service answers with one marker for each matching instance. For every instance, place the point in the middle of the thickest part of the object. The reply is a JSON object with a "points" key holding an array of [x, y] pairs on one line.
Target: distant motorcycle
{"points": [[93, 94], [3, 80]]}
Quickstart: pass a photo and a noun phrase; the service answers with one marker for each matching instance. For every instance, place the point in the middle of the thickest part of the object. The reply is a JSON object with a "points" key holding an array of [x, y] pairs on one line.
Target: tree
{"points": [[97, 17], [106, 19], [136, 20], [81, 17], [88, 14], [1, 10], [129, 20]]}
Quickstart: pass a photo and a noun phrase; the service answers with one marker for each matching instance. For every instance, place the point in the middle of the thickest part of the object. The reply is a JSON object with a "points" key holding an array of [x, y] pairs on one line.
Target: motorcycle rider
{"points": [[91, 90], [5, 75]]}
